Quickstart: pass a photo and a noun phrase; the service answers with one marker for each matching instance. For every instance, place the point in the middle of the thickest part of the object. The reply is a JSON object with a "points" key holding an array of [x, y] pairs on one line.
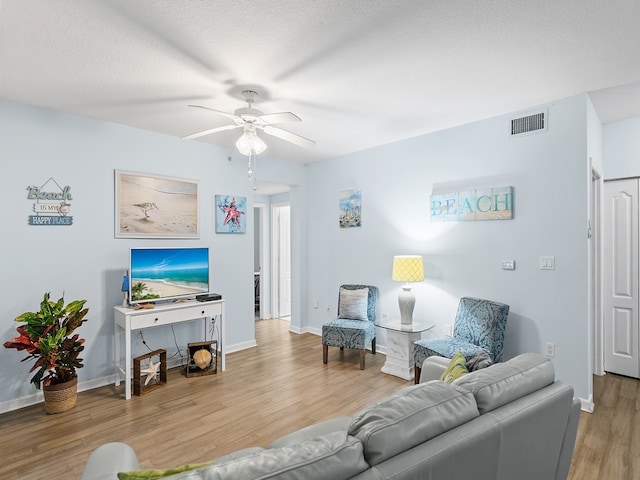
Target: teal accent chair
{"points": [[479, 325], [350, 332]]}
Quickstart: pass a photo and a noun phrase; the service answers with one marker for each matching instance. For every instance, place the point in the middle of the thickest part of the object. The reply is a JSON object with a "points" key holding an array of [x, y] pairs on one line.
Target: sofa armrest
{"points": [[107, 460], [433, 367]]}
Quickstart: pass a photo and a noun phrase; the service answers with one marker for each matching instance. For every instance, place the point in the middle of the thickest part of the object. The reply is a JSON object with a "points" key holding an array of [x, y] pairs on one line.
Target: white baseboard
{"points": [[241, 346], [314, 330], [587, 405], [38, 397]]}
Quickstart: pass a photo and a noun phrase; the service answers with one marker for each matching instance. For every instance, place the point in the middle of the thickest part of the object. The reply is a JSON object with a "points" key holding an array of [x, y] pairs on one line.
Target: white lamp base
{"points": [[406, 301]]}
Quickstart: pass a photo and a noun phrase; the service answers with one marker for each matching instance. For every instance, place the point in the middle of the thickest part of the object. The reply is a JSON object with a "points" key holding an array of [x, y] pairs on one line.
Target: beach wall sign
{"points": [[483, 204], [52, 204]]}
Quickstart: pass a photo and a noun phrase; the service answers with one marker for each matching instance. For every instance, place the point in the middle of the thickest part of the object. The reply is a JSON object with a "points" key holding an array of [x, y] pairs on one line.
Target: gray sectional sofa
{"points": [[512, 420]]}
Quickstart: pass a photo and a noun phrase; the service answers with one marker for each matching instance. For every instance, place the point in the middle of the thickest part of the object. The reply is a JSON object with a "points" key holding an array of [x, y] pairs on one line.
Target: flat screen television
{"points": [[162, 274]]}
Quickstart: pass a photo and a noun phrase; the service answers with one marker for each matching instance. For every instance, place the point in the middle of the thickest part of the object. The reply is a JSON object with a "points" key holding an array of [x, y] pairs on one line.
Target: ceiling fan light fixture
{"points": [[250, 143]]}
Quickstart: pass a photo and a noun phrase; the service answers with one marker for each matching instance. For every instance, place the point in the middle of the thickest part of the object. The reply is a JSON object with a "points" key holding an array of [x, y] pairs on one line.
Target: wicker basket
{"points": [[61, 397]]}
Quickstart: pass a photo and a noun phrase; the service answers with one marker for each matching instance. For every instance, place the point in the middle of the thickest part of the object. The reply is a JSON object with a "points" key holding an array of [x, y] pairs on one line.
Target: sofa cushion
{"points": [[312, 431], [245, 452], [502, 383], [456, 368], [411, 416], [353, 304], [334, 455]]}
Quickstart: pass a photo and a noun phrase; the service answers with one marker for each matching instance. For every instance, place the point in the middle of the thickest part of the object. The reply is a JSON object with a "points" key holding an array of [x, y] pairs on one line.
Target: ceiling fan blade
{"points": [[281, 117], [210, 131], [289, 137], [226, 114]]}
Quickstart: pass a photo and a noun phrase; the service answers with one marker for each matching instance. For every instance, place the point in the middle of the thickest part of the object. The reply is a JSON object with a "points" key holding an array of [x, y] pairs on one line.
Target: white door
{"points": [[281, 254], [620, 268], [285, 262]]}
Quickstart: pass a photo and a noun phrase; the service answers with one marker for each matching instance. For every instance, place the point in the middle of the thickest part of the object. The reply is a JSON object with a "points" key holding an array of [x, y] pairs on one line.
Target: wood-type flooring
{"points": [[266, 392]]}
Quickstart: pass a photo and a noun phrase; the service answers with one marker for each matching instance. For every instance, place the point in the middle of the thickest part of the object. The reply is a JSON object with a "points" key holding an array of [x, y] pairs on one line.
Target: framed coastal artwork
{"points": [[231, 214], [154, 206], [350, 204]]}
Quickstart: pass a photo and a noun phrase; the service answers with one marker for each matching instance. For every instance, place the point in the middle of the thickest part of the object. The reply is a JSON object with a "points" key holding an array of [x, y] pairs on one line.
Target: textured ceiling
{"points": [[360, 73]]}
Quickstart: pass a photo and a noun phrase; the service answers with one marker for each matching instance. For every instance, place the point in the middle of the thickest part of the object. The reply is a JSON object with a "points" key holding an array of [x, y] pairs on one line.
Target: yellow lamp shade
{"points": [[408, 268]]}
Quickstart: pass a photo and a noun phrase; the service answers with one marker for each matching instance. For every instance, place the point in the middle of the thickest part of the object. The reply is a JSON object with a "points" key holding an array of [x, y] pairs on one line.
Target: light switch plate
{"points": [[547, 263]]}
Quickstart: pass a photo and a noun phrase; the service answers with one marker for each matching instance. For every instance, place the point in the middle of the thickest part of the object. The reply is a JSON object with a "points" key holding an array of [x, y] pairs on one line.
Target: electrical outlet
{"points": [[385, 316], [315, 304], [550, 349], [448, 330]]}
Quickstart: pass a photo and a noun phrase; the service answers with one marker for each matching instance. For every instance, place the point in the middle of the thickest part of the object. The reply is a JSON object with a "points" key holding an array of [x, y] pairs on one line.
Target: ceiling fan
{"points": [[251, 120]]}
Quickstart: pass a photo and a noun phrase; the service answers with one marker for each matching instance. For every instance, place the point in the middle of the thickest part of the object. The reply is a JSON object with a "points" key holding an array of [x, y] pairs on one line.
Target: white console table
{"points": [[128, 320]]}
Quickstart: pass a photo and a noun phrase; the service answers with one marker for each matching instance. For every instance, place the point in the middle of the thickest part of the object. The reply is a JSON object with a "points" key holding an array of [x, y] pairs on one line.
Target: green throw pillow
{"points": [[456, 368], [154, 474]]}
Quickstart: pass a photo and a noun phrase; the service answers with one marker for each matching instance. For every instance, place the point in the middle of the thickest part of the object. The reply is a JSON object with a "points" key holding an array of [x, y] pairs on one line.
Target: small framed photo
{"points": [[350, 204], [231, 214], [153, 206]]}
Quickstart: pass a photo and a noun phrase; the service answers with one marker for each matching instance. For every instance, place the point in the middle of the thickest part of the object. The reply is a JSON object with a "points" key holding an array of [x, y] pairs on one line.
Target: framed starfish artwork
{"points": [[231, 214], [154, 206], [149, 371]]}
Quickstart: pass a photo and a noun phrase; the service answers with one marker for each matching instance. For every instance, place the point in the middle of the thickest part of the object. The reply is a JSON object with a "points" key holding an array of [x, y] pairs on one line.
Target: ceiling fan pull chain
{"points": [[252, 163]]}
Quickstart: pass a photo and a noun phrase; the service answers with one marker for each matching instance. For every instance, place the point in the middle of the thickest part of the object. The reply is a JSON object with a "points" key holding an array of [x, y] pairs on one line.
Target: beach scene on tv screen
{"points": [[157, 274]]}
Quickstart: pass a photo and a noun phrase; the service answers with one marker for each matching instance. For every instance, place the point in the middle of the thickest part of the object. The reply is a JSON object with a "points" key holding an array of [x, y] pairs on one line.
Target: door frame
{"points": [[596, 307], [262, 258]]}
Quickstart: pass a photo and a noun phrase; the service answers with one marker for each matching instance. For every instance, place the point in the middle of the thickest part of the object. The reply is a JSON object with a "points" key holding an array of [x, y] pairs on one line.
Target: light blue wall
{"points": [[622, 149], [549, 173], [85, 260]]}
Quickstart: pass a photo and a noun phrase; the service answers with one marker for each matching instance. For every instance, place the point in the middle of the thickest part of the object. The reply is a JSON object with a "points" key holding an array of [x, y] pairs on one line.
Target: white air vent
{"points": [[530, 123]]}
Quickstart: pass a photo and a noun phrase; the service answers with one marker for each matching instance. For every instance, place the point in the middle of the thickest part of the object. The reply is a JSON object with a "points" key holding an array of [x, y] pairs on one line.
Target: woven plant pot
{"points": [[61, 397]]}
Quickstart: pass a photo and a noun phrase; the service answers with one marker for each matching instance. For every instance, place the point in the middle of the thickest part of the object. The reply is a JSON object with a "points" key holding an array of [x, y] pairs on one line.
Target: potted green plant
{"points": [[47, 337]]}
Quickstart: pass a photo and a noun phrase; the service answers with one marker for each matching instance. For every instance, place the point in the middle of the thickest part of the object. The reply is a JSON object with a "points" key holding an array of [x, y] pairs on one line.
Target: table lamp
{"points": [[407, 268]]}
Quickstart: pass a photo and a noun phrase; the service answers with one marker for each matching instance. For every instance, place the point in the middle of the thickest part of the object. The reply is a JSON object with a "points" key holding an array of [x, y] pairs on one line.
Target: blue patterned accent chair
{"points": [[355, 326], [479, 325]]}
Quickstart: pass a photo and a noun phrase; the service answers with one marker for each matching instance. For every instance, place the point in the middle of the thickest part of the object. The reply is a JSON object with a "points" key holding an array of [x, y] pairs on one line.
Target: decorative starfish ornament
{"points": [[233, 214], [151, 371]]}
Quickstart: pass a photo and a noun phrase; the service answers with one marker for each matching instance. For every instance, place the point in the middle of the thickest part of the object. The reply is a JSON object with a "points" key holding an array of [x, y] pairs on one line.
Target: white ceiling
{"points": [[360, 73]]}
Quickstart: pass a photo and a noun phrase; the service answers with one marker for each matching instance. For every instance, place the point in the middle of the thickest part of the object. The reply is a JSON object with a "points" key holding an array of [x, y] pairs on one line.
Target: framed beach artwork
{"points": [[350, 204], [231, 214], [154, 206]]}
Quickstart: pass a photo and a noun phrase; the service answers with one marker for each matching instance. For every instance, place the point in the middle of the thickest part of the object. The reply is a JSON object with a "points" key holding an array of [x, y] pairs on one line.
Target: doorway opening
{"points": [[272, 250]]}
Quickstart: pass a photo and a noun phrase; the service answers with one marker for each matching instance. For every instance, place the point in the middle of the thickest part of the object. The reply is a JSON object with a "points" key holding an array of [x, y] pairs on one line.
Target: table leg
{"points": [[117, 355], [127, 365]]}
